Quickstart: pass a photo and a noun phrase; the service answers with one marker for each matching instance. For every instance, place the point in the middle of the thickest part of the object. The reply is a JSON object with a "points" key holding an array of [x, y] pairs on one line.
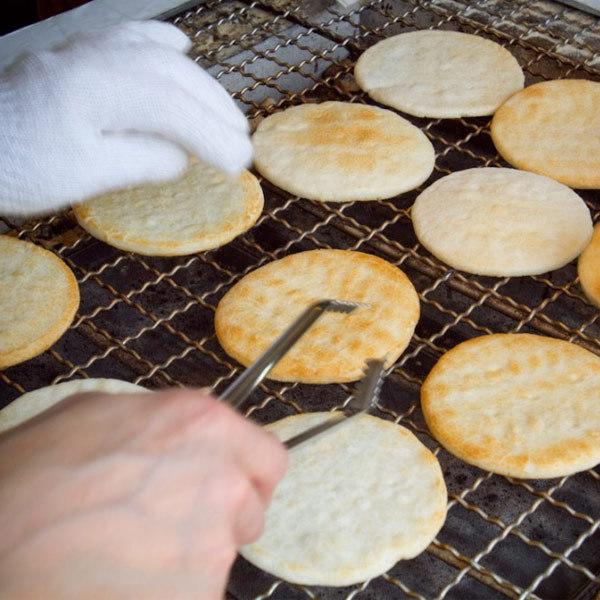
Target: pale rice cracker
{"points": [[501, 222], [355, 500], [440, 74], [338, 151], [33, 403]]}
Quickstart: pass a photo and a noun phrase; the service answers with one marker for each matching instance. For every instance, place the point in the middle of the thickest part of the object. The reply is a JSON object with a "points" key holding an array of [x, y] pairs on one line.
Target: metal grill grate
{"points": [[150, 320]]}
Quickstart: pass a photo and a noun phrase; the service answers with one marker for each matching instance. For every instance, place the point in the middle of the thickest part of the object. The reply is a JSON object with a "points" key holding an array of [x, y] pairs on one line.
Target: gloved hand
{"points": [[110, 110], [137, 496]]}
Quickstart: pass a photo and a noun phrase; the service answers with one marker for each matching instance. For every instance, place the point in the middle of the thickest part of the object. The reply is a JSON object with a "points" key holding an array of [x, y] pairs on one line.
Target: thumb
{"points": [[117, 161]]}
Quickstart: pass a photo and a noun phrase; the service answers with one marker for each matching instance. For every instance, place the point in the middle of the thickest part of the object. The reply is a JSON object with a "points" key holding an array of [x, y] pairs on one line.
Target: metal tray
{"points": [[150, 320]]}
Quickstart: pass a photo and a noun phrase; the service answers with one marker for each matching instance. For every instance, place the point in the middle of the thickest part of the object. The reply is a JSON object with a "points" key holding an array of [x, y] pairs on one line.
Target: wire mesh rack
{"points": [[150, 320]]}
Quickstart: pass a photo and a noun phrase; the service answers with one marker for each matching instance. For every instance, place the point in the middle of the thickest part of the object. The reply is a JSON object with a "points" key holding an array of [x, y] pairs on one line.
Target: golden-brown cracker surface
{"points": [[588, 268], [203, 209], [553, 128], [264, 303], [517, 404], [38, 300]]}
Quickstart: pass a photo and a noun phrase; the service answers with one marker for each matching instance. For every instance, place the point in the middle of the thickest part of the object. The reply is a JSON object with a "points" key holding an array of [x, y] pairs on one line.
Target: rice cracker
{"points": [[441, 74], [264, 303], [501, 222], [520, 405], [337, 151], [38, 300], [354, 501], [203, 209], [588, 268], [553, 128], [33, 403]]}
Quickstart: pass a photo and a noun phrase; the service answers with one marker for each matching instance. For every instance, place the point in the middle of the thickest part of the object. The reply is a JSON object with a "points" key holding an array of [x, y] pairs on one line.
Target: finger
{"points": [[173, 113], [261, 456], [134, 159], [157, 32], [264, 459], [181, 71], [135, 32], [249, 520], [203, 87]]}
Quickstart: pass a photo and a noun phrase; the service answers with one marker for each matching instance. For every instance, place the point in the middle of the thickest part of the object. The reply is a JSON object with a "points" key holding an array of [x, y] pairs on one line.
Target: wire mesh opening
{"points": [[150, 320]]}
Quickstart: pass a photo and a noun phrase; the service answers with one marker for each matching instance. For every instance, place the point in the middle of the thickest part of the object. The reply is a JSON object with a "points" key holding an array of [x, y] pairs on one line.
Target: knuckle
{"points": [[175, 395], [180, 398], [182, 416], [207, 409], [238, 487]]}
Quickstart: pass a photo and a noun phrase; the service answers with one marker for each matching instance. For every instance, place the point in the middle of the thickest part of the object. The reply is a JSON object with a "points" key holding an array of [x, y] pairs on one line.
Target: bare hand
{"points": [[147, 495]]}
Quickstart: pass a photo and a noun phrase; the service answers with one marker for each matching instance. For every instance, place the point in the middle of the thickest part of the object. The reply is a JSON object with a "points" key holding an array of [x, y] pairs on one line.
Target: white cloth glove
{"points": [[110, 110]]}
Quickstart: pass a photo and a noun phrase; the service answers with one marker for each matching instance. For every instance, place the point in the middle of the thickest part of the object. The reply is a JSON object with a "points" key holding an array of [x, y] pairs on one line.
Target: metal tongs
{"points": [[368, 389], [365, 398]]}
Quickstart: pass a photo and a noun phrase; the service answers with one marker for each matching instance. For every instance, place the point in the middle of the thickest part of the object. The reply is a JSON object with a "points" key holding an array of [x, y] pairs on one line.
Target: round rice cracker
{"points": [[501, 222], [354, 501], [338, 152], [588, 268], [265, 302], [439, 74], [33, 403], [519, 405], [39, 297], [203, 209], [553, 128]]}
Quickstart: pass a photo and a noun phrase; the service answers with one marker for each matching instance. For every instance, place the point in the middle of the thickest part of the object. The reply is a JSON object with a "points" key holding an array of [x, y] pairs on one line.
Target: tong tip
{"points": [[367, 392], [340, 306]]}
